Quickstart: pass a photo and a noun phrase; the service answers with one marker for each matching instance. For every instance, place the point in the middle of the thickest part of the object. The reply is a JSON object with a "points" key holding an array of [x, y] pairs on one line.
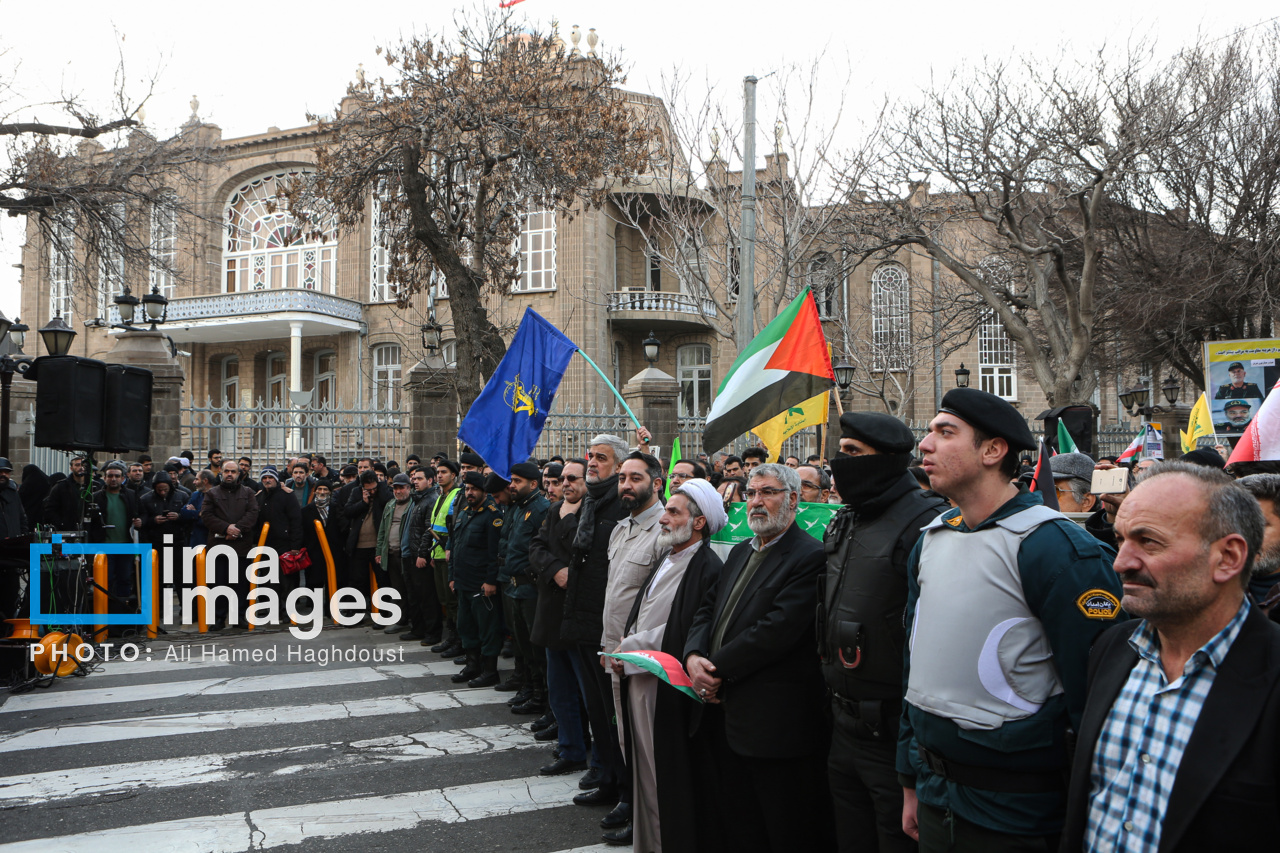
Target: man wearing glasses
{"points": [[815, 485], [685, 470], [761, 740]]}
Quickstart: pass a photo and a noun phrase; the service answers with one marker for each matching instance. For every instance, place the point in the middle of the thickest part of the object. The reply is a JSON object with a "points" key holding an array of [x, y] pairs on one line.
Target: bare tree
{"points": [[1195, 238], [1026, 156], [93, 180], [473, 131], [690, 214]]}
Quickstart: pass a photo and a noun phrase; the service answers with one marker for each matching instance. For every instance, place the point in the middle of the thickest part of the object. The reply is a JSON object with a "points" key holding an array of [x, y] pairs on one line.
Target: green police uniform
{"points": [[473, 561], [999, 620]]}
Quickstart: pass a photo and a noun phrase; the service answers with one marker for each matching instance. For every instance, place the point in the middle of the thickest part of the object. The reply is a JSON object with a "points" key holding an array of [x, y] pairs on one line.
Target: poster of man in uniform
{"points": [[1238, 376]]}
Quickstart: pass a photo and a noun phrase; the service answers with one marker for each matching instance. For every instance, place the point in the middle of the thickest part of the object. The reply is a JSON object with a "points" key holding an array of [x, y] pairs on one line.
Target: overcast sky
{"points": [[263, 63]]}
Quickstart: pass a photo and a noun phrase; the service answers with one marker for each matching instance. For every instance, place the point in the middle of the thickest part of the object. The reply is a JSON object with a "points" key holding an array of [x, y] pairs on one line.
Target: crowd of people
{"points": [[954, 666]]}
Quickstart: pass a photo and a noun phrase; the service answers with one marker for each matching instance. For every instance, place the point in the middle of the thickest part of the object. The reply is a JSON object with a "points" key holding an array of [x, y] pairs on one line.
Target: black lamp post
{"points": [[844, 374], [156, 307], [1137, 400], [431, 336], [962, 376], [651, 345], [127, 304], [57, 336]]}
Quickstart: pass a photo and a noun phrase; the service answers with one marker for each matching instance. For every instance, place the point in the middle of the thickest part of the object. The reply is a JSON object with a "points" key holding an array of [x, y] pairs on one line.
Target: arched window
{"points": [[386, 377], [229, 382], [265, 247], [890, 317], [325, 379], [825, 284], [164, 244], [277, 379], [693, 366]]}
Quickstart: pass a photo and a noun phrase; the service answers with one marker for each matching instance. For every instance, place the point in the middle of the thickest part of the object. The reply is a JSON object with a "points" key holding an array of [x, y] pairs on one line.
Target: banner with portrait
{"points": [[1238, 376]]}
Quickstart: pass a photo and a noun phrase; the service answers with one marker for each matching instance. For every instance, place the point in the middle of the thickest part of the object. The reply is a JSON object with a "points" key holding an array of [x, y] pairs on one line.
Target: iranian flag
{"points": [[783, 366], [661, 664], [1135, 446], [1261, 439]]}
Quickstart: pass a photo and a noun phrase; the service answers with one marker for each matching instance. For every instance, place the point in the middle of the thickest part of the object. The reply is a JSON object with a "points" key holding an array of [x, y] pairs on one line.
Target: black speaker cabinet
{"points": [[128, 409], [71, 394]]}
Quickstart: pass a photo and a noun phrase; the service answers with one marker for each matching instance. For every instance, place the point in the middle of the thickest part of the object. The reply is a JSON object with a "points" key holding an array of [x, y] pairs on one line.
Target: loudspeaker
{"points": [[71, 397], [128, 409]]}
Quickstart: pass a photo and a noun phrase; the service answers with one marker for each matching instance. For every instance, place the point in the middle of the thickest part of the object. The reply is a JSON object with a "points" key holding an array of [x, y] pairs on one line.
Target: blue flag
{"points": [[505, 421]]}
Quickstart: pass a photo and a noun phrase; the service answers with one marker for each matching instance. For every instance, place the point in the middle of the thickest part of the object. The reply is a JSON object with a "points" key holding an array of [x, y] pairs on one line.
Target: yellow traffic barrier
{"points": [[262, 540], [56, 654], [99, 593], [328, 561], [373, 587], [202, 618]]}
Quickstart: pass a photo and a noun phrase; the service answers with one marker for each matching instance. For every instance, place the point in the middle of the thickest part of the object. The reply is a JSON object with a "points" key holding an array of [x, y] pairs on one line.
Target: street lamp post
{"points": [[651, 345], [962, 376], [1137, 400]]}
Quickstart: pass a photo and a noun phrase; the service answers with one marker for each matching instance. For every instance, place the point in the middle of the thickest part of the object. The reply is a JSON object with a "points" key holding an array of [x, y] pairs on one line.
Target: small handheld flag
{"points": [[1135, 447], [1199, 425], [1043, 482], [671, 468], [505, 421], [661, 664], [1066, 444]]}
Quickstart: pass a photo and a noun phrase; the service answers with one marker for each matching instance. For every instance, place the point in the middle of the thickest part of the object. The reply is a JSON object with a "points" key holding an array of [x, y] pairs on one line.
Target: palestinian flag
{"points": [[783, 366], [661, 664]]}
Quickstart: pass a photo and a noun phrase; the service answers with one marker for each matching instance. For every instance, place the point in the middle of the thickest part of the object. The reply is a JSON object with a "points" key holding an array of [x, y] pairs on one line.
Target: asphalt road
{"points": [[204, 748]]}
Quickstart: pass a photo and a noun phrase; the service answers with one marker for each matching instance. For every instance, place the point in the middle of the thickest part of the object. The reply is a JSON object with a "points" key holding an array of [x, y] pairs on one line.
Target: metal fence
{"points": [[1110, 440], [271, 432]]}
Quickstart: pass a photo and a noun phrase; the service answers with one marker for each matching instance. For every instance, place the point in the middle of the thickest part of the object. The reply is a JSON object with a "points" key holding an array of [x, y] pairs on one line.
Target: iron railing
{"points": [[215, 306], [649, 300], [270, 432]]}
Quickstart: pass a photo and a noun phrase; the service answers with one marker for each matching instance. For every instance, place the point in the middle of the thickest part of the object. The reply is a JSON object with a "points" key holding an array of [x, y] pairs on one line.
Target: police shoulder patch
{"points": [[1098, 604], [955, 521], [497, 522]]}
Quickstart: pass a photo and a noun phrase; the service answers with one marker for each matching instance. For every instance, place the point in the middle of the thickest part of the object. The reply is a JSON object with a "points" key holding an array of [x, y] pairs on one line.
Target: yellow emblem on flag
{"points": [[519, 398], [1199, 425], [773, 432]]}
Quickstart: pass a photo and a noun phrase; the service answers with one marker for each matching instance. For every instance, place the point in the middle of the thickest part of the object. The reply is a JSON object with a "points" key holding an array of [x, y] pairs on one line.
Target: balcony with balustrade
{"points": [[257, 315], [645, 310]]}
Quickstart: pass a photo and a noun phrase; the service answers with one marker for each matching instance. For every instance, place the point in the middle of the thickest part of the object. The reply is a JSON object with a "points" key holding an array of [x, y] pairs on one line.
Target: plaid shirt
{"points": [[1143, 738]]}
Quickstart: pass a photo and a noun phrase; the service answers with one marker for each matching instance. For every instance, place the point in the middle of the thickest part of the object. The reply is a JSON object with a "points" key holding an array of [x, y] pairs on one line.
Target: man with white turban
{"points": [[657, 721]]}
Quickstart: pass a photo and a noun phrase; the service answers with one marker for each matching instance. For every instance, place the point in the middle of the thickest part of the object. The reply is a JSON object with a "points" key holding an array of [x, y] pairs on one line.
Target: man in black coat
{"points": [[161, 509], [1178, 747], [279, 509], [13, 518], [64, 507], [584, 610], [364, 513], [763, 732], [322, 508], [117, 516]]}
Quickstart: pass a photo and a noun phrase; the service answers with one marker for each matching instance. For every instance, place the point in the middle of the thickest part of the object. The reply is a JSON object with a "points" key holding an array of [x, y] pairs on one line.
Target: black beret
{"points": [[492, 484], [554, 470], [1206, 456], [350, 471], [471, 459], [990, 414], [527, 470], [884, 432], [474, 478]]}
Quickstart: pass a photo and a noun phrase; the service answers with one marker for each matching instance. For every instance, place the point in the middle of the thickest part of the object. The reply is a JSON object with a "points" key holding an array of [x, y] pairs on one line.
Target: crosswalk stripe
{"points": [[278, 827], [226, 686], [58, 785], [131, 728]]}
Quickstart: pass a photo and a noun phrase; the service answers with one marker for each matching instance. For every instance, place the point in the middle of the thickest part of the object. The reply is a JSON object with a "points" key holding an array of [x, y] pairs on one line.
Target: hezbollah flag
{"points": [[777, 430], [1199, 425], [660, 664], [784, 366]]}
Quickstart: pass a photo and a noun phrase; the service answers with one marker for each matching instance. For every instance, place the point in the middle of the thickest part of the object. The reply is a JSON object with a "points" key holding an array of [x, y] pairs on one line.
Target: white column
{"points": [[295, 382]]}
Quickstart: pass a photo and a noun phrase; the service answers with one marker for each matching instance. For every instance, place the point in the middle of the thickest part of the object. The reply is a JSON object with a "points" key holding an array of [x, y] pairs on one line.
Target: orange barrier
{"points": [[153, 630], [99, 593], [328, 561], [262, 540], [202, 618], [373, 587]]}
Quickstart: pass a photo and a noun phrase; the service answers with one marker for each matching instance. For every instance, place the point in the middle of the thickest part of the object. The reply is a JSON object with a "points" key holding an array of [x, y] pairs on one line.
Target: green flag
{"points": [[1065, 442], [675, 455]]}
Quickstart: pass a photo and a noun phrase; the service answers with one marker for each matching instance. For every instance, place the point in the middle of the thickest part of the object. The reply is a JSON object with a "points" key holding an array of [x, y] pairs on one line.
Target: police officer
{"points": [[861, 598], [528, 508], [1237, 387], [473, 576], [1005, 598], [1237, 413]]}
